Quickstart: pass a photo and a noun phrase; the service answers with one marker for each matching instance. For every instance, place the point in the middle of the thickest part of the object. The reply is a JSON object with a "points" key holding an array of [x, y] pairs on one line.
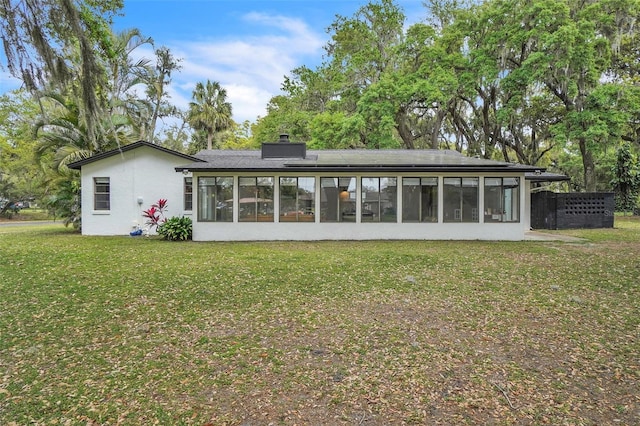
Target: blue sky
{"points": [[246, 45]]}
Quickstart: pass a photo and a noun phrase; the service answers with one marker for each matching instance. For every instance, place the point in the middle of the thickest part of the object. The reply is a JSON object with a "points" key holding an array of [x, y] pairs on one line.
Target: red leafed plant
{"points": [[155, 214]]}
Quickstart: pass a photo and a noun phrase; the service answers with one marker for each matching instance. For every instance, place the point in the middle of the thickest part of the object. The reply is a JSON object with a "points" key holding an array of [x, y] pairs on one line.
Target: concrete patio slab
{"points": [[544, 236]]}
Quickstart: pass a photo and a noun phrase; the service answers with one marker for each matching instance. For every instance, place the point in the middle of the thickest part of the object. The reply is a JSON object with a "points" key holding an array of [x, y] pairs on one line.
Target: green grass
{"points": [[29, 214], [120, 330]]}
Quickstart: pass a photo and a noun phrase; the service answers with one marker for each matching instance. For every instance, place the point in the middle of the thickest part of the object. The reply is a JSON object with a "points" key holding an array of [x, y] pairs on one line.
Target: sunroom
{"points": [[284, 192]]}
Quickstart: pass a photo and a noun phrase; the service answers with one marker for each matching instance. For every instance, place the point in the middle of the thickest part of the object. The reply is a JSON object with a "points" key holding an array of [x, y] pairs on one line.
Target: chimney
{"points": [[284, 148]]}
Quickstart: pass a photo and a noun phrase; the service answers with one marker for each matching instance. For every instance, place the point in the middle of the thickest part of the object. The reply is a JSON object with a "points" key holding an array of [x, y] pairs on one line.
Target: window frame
{"points": [[102, 199], [461, 204], [376, 207], [422, 185], [338, 193], [300, 211], [499, 216], [260, 184], [221, 212], [188, 193]]}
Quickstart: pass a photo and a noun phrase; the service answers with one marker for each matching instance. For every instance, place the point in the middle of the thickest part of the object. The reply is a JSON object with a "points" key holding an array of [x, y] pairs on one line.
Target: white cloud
{"points": [[248, 99], [251, 68]]}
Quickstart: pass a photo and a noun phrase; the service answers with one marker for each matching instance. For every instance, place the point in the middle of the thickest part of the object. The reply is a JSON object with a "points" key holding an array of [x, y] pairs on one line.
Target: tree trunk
{"points": [[209, 140], [156, 107], [403, 130], [589, 167], [435, 130]]}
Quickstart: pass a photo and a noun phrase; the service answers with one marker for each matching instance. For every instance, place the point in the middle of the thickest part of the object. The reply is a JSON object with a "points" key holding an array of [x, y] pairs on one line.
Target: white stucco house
{"points": [[118, 185], [285, 192]]}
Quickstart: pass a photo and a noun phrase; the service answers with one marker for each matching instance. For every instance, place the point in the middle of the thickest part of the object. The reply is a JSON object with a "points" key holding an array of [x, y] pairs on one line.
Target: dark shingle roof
{"points": [[351, 161], [78, 164], [397, 160]]}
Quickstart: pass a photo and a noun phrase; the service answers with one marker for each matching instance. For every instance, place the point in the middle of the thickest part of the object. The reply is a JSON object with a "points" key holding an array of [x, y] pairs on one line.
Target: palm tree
{"points": [[124, 72], [209, 111], [63, 136]]}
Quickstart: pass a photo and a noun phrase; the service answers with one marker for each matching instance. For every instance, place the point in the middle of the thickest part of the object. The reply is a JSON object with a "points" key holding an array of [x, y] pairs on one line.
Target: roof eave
{"points": [[365, 169], [77, 165], [546, 177]]}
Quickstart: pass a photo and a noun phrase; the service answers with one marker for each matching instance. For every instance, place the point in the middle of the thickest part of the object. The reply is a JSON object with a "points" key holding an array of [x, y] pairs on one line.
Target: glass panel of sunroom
{"points": [[411, 199], [224, 197], [461, 199], [493, 208], [329, 196], [429, 202], [215, 199], [379, 199], [288, 198], [370, 200], [256, 199], [338, 199], [501, 199], [511, 199], [206, 199], [420, 199], [452, 194], [470, 199], [388, 199], [307, 199], [297, 199]]}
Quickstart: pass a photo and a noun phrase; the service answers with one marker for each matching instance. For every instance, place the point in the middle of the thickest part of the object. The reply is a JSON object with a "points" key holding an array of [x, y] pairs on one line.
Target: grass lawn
{"points": [[28, 215], [121, 330]]}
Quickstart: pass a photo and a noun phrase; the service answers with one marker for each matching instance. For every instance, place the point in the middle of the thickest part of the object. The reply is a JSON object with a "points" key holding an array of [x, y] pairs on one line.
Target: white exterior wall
{"points": [[301, 231], [144, 173]]}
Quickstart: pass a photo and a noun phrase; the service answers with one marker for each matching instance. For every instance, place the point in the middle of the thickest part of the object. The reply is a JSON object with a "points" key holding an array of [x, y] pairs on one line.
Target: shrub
{"points": [[176, 229], [155, 214]]}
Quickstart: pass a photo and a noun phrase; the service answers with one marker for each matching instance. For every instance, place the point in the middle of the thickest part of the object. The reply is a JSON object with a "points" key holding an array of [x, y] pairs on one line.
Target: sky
{"points": [[248, 46]]}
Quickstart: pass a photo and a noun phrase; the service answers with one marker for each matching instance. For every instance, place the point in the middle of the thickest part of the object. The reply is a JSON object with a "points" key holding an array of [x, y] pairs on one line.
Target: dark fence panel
{"points": [[543, 210], [550, 210]]}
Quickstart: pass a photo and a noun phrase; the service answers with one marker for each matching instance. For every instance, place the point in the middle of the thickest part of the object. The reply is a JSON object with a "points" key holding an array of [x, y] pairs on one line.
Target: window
{"points": [[215, 199], [502, 199], [297, 199], [101, 193], [338, 199], [188, 193], [256, 199], [461, 199], [420, 199], [379, 199]]}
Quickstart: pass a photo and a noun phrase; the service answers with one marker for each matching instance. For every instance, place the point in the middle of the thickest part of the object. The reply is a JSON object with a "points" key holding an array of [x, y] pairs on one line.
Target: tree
{"points": [[571, 63], [38, 38], [20, 176], [239, 137], [123, 71], [157, 80], [539, 82], [209, 111], [306, 93], [626, 181], [364, 59], [176, 137], [65, 202], [63, 133]]}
